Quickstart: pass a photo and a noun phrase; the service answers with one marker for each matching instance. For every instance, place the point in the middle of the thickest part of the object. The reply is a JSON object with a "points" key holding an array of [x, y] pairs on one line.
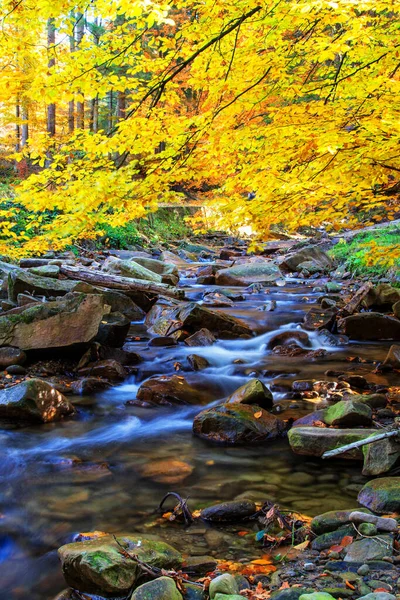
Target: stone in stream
{"points": [[223, 584], [247, 273], [162, 588], [314, 441], [316, 596], [170, 390], [20, 282], [380, 456], [319, 318], [368, 549], [329, 339], [318, 257], [46, 271], [237, 424], [382, 296], [372, 400], [129, 268], [288, 337], [381, 495], [113, 330], [348, 413], [34, 400], [229, 511], [11, 356], [198, 363], [58, 324], [121, 303], [168, 271], [107, 369], [166, 470], [396, 309], [332, 538], [163, 341], [174, 259], [191, 317], [333, 520], [252, 392], [89, 385], [393, 356], [381, 523], [97, 566], [203, 337], [370, 326]]}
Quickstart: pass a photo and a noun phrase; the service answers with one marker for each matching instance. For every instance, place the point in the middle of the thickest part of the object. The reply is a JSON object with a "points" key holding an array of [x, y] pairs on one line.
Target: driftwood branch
{"points": [[369, 440], [356, 300], [117, 282]]}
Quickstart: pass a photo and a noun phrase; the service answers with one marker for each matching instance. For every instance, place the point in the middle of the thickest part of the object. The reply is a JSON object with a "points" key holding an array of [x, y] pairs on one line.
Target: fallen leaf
{"points": [[284, 586], [350, 585], [242, 533], [335, 548], [258, 414], [346, 541], [303, 545]]}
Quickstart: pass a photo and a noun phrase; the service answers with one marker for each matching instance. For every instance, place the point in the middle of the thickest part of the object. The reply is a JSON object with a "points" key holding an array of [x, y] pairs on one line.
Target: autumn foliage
{"points": [[296, 101]]}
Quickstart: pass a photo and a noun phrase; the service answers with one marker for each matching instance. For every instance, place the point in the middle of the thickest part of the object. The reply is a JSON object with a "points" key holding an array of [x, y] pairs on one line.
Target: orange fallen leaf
{"points": [[285, 585], [242, 533], [380, 590], [335, 548], [350, 585], [258, 414], [346, 541]]}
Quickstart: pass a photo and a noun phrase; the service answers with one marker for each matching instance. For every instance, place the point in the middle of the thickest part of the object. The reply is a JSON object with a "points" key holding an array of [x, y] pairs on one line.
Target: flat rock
{"points": [[348, 413], [370, 326], [247, 273], [381, 495], [314, 441], [366, 549]]}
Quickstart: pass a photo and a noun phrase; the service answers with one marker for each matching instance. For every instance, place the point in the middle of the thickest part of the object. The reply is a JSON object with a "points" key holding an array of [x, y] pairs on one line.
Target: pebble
{"points": [[363, 570], [309, 566]]}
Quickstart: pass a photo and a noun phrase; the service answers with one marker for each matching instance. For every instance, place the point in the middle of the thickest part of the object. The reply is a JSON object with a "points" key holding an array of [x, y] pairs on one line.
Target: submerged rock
{"points": [[229, 511], [97, 566], [237, 424], [34, 400], [381, 495], [198, 363], [203, 337], [170, 390], [54, 324], [288, 337], [252, 392]]}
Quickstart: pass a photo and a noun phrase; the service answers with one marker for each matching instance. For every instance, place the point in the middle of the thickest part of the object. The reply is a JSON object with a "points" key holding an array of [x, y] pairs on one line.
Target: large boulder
{"points": [[20, 282], [382, 296], [319, 318], [247, 273], [162, 319], [314, 441], [237, 424], [170, 390], [168, 271], [130, 268], [348, 413], [370, 326], [98, 566], [252, 392], [380, 456], [381, 495], [309, 254], [54, 324], [34, 400]]}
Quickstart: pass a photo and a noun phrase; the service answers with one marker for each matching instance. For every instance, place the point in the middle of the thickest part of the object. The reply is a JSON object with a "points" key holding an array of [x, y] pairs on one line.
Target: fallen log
{"points": [[351, 307], [368, 440], [117, 282]]}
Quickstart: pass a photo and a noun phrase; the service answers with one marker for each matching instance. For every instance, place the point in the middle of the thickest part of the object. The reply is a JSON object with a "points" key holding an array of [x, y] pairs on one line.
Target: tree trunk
{"points": [[71, 104], [121, 106], [80, 106], [51, 109], [98, 278], [25, 125], [17, 127], [110, 118]]}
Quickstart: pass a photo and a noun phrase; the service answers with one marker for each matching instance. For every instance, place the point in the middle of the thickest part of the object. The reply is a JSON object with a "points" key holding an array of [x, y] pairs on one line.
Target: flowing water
{"points": [[98, 471]]}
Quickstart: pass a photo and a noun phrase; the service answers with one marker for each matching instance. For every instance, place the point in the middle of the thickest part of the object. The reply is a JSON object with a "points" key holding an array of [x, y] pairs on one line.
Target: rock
{"points": [[107, 369], [378, 596], [34, 400], [327, 303], [174, 259], [247, 273], [372, 400], [129, 268], [370, 326], [16, 370], [314, 441], [237, 424], [223, 584], [288, 337], [382, 296], [113, 330], [367, 529], [348, 413], [329, 339], [217, 299], [20, 282], [203, 337], [89, 385], [313, 254], [162, 588], [269, 306], [381, 495], [97, 566], [252, 392], [25, 299], [380, 456], [292, 593], [332, 538], [198, 363], [396, 309], [369, 549], [168, 271], [228, 597], [229, 511], [46, 271], [303, 385], [199, 565], [170, 390], [27, 263], [393, 356], [382, 523], [191, 317], [54, 324], [316, 596], [312, 419], [166, 470], [319, 318], [308, 267], [363, 570], [121, 303], [163, 341], [355, 381], [11, 356], [332, 520]]}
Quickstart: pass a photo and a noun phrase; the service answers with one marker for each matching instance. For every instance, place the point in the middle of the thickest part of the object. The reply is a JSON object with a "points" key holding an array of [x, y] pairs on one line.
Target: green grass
{"points": [[382, 244]]}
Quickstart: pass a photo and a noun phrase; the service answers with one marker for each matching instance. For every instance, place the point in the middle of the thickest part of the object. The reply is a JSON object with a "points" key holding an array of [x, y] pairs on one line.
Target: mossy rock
{"points": [[381, 495], [163, 588]]}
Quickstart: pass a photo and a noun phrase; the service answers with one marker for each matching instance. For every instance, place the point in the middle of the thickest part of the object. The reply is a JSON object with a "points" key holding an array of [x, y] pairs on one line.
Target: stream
{"points": [[98, 471]]}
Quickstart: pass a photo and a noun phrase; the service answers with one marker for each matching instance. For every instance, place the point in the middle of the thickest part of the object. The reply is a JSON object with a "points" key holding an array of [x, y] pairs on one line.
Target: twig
{"points": [[369, 440], [180, 507]]}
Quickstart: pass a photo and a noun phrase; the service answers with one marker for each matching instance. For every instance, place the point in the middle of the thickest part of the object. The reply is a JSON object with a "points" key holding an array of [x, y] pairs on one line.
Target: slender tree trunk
{"points": [[51, 109], [25, 126], [80, 106], [110, 111], [96, 114], [71, 104], [17, 127], [121, 106]]}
